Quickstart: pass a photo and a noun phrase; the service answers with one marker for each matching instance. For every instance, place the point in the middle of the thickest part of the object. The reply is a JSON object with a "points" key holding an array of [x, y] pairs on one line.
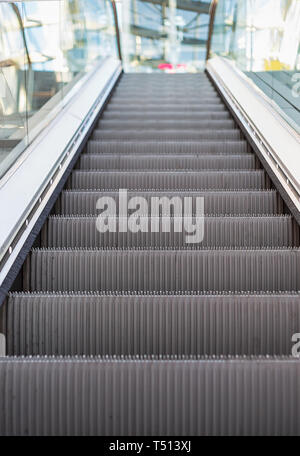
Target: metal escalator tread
{"points": [[190, 337], [150, 107], [228, 231], [216, 202], [211, 101], [165, 115], [226, 124], [166, 270], [170, 162], [127, 324], [165, 135], [167, 147], [165, 94], [165, 91], [236, 179], [150, 396]]}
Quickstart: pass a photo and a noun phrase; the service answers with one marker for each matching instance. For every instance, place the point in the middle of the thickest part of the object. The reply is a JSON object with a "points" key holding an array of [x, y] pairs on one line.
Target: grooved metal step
{"points": [[219, 231], [168, 180], [193, 100], [172, 107], [165, 135], [103, 162], [162, 115], [172, 92], [165, 270], [166, 124], [87, 324], [167, 147], [132, 397], [215, 202], [154, 92]]}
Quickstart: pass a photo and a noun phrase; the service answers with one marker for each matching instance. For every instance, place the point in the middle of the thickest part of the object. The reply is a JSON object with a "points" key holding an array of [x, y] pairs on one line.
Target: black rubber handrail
{"points": [[118, 38], [212, 14], [20, 21]]}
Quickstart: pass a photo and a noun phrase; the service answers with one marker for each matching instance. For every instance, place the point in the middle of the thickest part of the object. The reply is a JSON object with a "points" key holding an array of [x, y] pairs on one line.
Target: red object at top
{"points": [[165, 66], [170, 66]]}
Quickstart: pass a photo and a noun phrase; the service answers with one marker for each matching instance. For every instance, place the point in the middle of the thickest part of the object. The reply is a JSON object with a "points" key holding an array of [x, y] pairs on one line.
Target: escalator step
{"points": [[161, 115], [211, 102], [164, 79], [168, 180], [165, 270], [173, 81], [156, 91], [166, 162], [226, 124], [172, 92], [177, 77], [87, 324], [172, 107], [149, 80], [217, 202], [278, 231], [116, 397], [165, 135], [127, 90], [161, 100], [168, 147]]}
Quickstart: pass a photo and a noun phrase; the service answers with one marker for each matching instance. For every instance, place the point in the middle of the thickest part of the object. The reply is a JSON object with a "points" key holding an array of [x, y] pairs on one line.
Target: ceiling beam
{"points": [[187, 5], [156, 35]]}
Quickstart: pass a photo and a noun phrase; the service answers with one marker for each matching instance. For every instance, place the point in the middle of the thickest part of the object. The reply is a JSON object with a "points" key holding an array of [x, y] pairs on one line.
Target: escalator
{"points": [[140, 333]]}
